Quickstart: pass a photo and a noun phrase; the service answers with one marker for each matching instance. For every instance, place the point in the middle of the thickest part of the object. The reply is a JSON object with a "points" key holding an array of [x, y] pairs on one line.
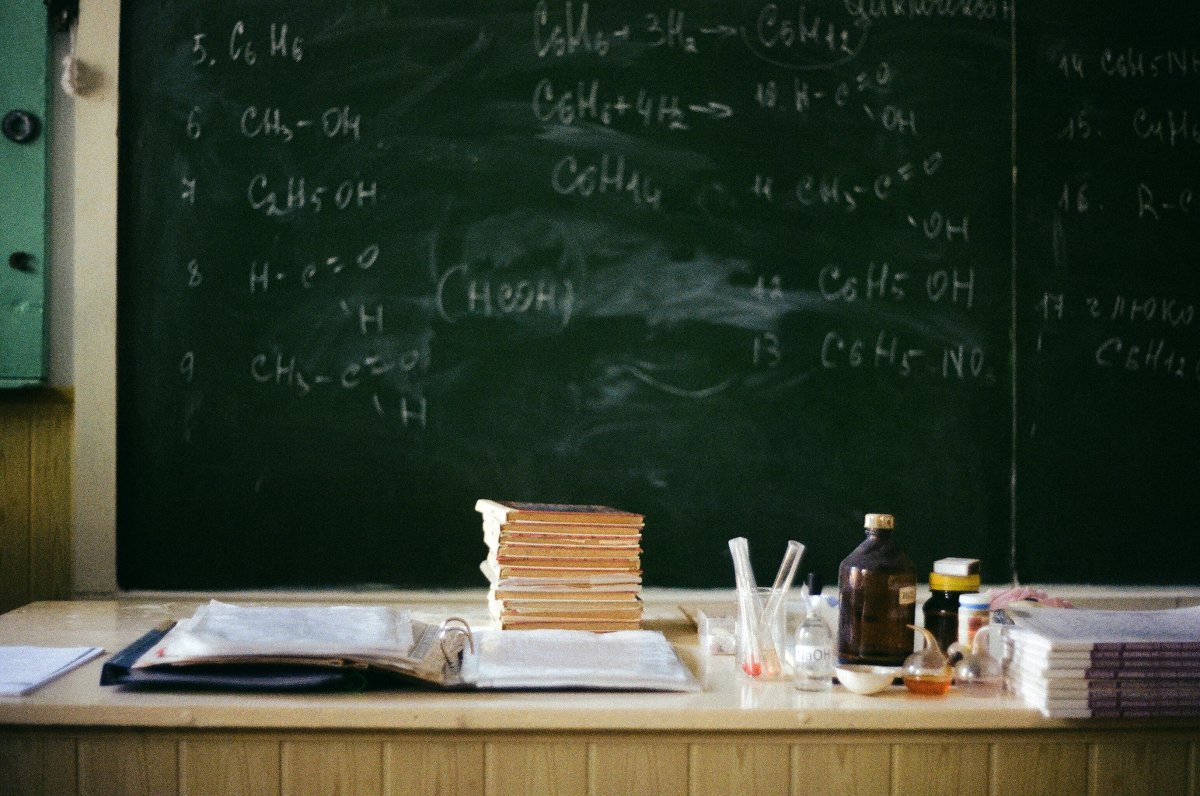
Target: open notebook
{"points": [[338, 647]]}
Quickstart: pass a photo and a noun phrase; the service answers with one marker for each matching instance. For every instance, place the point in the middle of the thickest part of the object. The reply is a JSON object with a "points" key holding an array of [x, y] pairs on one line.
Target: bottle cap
{"points": [[956, 566], [814, 583], [879, 522], [974, 600], [940, 582]]}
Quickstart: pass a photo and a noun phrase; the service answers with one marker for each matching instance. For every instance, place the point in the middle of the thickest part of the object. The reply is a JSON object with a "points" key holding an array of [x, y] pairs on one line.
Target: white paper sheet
{"points": [[577, 659], [25, 669], [221, 630], [1078, 628]]}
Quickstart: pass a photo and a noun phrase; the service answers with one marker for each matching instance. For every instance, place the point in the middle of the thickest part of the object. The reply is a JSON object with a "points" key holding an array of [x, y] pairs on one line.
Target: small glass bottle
{"points": [[877, 588], [813, 654], [950, 578], [927, 672], [978, 673]]}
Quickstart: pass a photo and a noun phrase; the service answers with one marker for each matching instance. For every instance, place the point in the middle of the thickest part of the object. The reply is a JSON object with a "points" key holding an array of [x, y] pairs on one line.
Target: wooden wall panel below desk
{"points": [[1159, 761], [35, 496]]}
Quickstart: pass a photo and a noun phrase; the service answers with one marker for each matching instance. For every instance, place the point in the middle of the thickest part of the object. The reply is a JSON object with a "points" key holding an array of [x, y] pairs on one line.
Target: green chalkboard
{"points": [[745, 268], [1108, 240]]}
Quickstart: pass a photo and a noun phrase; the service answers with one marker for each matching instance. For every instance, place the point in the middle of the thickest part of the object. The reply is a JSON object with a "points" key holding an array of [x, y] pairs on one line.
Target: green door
{"points": [[23, 44]]}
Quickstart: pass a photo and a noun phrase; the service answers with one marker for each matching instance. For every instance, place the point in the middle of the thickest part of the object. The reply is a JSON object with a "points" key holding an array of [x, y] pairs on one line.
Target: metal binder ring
{"points": [[454, 626]]}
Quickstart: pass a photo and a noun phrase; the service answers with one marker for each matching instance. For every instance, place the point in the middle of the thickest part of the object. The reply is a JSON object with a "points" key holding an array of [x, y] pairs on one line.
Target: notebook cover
{"points": [[118, 670]]}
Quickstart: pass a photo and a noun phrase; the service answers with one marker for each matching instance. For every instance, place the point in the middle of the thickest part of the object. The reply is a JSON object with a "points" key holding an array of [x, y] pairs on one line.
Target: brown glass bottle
{"points": [[941, 609], [877, 587]]}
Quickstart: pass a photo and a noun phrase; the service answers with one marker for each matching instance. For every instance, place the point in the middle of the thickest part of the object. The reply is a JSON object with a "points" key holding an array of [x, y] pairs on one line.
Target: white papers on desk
{"points": [[387, 638], [220, 630], [1065, 629], [25, 669], [641, 660]]}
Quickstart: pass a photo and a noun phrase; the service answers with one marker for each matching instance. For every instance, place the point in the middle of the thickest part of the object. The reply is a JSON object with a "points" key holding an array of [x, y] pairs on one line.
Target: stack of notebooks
{"points": [[1075, 663], [562, 566]]}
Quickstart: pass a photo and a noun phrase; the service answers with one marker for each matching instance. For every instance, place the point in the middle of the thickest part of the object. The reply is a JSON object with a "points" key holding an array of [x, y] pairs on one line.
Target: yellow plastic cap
{"points": [[879, 522], [940, 582]]}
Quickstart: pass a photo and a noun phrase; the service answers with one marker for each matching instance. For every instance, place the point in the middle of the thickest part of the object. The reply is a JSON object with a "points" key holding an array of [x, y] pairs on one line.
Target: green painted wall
{"points": [[23, 46]]}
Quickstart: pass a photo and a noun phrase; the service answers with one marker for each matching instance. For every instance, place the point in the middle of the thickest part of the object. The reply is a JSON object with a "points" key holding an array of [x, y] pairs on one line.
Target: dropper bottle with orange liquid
{"points": [[927, 672]]}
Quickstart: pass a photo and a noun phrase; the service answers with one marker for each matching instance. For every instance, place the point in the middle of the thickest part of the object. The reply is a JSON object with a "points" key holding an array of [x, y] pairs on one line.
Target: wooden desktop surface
{"points": [[74, 735]]}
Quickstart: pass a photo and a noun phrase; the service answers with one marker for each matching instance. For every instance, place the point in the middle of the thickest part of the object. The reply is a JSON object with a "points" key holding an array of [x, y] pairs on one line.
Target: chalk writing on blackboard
{"points": [[383, 259]]}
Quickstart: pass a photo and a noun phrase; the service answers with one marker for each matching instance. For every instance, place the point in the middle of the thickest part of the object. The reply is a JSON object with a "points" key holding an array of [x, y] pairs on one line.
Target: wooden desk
{"points": [[75, 737]]}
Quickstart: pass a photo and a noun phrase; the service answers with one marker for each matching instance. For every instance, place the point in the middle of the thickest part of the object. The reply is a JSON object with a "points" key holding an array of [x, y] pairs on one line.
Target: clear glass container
{"points": [[813, 652], [927, 671], [979, 673], [761, 644]]}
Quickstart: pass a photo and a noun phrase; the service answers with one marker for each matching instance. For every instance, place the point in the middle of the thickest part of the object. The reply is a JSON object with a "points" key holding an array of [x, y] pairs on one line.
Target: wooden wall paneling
{"points": [[37, 761], [842, 769], [637, 766], [35, 498], [534, 765], [128, 764], [949, 766], [1194, 769], [37, 764], [220, 765], [435, 765], [760, 768], [1058, 768], [321, 766], [14, 504], [1127, 768], [50, 501]]}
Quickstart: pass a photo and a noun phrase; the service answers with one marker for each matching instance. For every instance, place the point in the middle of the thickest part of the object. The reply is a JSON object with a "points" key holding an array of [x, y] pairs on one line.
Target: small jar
{"points": [[940, 611], [974, 611]]}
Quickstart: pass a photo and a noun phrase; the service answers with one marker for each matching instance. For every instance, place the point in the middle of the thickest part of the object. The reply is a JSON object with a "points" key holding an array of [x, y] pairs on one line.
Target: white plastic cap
{"points": [[974, 600]]}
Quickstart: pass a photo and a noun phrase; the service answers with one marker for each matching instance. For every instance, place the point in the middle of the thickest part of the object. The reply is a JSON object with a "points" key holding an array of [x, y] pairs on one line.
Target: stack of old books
{"points": [[554, 565], [1076, 663]]}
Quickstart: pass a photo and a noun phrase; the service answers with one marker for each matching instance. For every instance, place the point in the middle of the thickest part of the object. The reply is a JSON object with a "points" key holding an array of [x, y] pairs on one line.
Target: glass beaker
{"points": [[761, 640]]}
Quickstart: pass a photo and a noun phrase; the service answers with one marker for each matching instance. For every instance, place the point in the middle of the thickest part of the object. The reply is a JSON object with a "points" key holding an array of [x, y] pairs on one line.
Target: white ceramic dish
{"points": [[866, 679]]}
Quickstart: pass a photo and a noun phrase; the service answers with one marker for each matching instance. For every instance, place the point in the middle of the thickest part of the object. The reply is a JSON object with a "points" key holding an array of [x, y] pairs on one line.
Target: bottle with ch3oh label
{"points": [[877, 586]]}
